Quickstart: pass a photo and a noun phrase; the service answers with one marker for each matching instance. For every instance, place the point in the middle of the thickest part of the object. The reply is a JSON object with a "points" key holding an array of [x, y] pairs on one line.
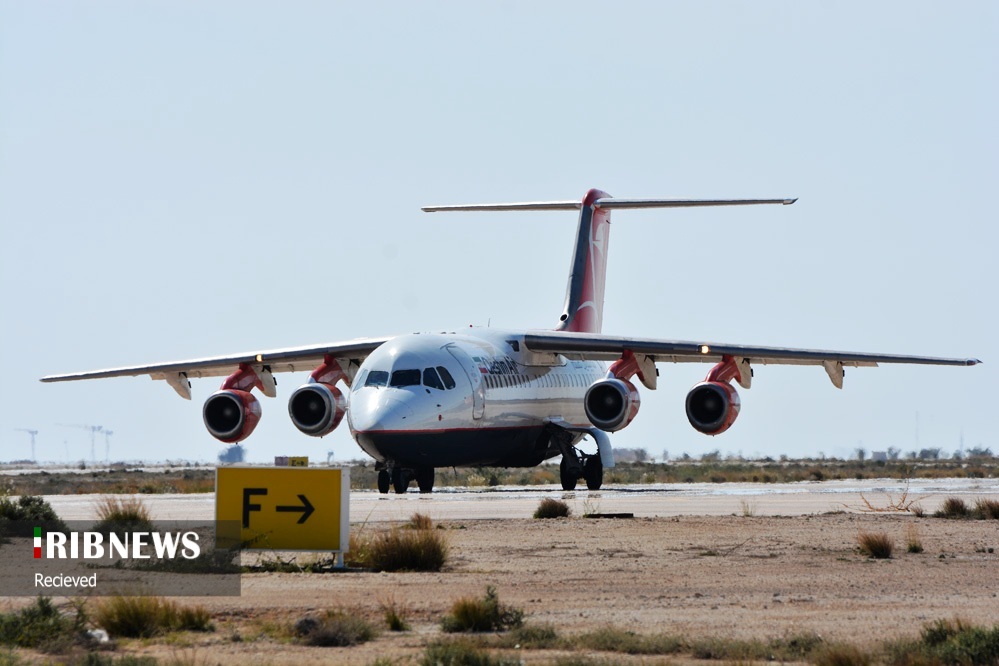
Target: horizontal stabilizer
{"points": [[609, 203]]}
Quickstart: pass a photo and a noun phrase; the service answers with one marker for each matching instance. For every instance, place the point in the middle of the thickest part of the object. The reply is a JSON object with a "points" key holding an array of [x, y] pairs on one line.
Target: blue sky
{"points": [[187, 179]]}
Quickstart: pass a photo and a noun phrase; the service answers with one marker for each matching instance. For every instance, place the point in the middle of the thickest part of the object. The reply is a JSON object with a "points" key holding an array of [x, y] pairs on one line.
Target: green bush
{"points": [[461, 652], [486, 614], [552, 508], [948, 642], [18, 518], [41, 626]]}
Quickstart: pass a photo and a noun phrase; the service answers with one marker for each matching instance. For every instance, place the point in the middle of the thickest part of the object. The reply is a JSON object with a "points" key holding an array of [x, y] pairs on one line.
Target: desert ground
{"points": [[759, 562]]}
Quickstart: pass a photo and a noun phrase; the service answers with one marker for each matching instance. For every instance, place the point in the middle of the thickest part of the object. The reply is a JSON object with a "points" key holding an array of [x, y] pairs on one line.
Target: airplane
{"points": [[486, 397]]}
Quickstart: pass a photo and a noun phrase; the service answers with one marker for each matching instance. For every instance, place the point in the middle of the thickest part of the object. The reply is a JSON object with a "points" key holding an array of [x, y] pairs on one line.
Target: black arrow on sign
{"points": [[306, 509]]}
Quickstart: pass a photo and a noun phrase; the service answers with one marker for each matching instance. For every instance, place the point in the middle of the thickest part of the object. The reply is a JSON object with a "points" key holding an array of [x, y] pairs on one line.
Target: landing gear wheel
{"points": [[567, 475], [384, 481], [425, 479], [400, 481], [593, 472]]}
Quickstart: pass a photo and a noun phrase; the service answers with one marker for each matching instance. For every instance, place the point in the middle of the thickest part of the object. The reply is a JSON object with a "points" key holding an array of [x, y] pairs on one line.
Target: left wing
{"points": [[264, 363], [593, 346]]}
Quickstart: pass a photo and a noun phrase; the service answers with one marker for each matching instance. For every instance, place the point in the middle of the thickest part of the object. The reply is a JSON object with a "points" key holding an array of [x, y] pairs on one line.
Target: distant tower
{"points": [[33, 433], [94, 429]]}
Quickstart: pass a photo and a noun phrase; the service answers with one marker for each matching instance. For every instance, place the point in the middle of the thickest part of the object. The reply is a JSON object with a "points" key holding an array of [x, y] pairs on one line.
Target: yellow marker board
{"points": [[283, 508]]}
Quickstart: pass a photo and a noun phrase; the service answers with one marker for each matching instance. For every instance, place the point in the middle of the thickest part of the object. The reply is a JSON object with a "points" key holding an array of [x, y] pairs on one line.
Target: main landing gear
{"points": [[399, 478], [577, 465]]}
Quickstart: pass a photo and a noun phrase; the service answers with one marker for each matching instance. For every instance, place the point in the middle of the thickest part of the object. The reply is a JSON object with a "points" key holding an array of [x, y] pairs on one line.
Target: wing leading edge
{"points": [[590, 346], [291, 359]]}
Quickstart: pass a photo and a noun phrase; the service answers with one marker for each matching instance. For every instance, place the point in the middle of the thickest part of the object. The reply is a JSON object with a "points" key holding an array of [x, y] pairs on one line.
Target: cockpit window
{"points": [[359, 380], [376, 378], [431, 379], [446, 376], [406, 378]]}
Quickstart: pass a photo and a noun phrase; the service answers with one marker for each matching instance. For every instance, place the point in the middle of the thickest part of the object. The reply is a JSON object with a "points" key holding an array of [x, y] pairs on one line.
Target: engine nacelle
{"points": [[611, 403], [317, 408], [712, 407], [231, 415]]}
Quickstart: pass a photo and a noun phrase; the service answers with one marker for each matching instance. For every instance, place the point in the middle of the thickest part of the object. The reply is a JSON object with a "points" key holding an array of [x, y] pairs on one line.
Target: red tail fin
{"points": [[584, 297]]}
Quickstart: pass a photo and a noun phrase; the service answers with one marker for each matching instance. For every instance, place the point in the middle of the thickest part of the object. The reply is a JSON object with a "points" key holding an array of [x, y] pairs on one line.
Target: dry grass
{"points": [[552, 508], [336, 628], [987, 509], [144, 617], [122, 514], [486, 614], [913, 544], [399, 549], [953, 507], [876, 544]]}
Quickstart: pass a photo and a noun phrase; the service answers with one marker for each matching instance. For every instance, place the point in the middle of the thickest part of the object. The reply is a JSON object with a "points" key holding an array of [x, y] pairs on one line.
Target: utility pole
{"points": [[107, 445]]}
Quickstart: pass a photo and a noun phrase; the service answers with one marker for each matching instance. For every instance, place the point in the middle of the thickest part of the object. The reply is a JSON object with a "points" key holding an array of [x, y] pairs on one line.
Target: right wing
{"points": [[291, 359]]}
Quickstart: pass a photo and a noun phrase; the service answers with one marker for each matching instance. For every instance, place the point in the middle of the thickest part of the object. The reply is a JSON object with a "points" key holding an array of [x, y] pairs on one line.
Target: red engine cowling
{"points": [[231, 415], [317, 408], [712, 407], [612, 403]]}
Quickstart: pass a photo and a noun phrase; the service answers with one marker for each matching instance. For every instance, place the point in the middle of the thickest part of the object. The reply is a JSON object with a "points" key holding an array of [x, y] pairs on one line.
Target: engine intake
{"points": [[231, 415], [712, 407], [317, 408], [611, 403]]}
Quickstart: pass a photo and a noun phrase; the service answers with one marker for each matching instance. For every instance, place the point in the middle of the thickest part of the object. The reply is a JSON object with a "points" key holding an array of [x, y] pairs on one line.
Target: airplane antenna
{"points": [[94, 429], [33, 433]]}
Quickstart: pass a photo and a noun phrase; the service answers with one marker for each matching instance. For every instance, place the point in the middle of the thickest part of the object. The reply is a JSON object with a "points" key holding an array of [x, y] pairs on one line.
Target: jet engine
{"points": [[712, 407], [231, 415], [317, 408], [611, 403]]}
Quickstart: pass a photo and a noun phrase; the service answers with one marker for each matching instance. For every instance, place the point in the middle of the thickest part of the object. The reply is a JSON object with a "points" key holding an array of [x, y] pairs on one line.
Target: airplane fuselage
{"points": [[478, 398]]}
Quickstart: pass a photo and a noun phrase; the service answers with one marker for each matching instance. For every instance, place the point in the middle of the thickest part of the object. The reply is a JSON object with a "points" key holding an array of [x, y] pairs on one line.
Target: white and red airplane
{"points": [[491, 397]]}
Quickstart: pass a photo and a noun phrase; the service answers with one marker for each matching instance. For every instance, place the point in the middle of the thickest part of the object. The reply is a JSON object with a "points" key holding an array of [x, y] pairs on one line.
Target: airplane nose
{"points": [[381, 409]]}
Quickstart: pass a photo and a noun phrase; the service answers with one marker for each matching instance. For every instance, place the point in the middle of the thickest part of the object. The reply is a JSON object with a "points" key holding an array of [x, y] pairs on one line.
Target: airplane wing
{"points": [[291, 359], [593, 346]]}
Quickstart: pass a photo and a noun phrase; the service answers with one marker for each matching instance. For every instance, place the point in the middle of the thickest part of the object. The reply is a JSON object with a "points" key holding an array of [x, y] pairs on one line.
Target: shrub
{"points": [[335, 629], [420, 521], [987, 509], [876, 544], [41, 626], [461, 652], [407, 550], [953, 507], [552, 508], [913, 544], [842, 655], [19, 518], [948, 642], [144, 617], [121, 515], [612, 639], [486, 614], [394, 618]]}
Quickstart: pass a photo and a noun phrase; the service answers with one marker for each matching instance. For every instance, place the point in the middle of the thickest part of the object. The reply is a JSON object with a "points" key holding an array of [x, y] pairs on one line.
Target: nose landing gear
{"points": [[399, 478]]}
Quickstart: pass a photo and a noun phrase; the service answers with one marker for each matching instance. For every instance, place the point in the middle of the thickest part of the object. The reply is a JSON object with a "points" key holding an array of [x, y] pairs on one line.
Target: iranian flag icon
{"points": [[38, 543]]}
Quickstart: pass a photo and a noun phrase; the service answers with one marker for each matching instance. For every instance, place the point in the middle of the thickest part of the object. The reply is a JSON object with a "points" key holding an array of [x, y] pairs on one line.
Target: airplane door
{"points": [[474, 376]]}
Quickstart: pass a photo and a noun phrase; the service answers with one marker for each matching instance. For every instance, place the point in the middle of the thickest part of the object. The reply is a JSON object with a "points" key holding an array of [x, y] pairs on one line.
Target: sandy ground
{"points": [[716, 573]]}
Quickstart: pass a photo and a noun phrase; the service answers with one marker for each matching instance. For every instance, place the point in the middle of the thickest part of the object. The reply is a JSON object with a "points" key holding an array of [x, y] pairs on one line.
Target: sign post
{"points": [[284, 508]]}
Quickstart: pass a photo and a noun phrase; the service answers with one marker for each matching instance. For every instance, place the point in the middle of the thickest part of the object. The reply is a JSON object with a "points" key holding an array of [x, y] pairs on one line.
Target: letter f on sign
{"points": [[248, 493]]}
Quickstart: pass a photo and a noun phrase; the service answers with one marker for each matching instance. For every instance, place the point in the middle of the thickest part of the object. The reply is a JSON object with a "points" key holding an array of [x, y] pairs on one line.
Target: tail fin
{"points": [[583, 311], [584, 298]]}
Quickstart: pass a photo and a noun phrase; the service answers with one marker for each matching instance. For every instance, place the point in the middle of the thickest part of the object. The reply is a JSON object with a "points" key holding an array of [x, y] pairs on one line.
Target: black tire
{"points": [[384, 481], [566, 476], [425, 479], [593, 472], [400, 481]]}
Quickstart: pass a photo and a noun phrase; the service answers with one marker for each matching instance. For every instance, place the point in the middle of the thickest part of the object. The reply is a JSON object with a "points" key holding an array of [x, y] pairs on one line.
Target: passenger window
{"points": [[406, 378], [431, 379], [446, 376], [376, 378]]}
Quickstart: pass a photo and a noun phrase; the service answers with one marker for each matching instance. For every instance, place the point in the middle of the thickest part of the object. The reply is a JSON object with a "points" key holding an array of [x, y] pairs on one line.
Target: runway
{"points": [[644, 501]]}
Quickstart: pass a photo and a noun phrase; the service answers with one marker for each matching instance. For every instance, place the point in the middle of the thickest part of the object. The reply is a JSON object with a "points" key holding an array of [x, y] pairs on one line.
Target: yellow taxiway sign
{"points": [[283, 508]]}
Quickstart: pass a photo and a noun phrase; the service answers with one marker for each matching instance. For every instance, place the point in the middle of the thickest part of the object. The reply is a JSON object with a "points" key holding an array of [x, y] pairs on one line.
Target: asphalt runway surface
{"points": [[662, 500]]}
